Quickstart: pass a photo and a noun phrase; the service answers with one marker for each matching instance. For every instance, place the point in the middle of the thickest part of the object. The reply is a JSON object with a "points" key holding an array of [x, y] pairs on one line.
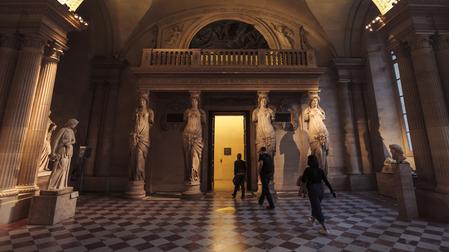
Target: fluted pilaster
{"points": [[352, 152], [418, 133], [39, 121], [434, 107], [442, 52], [8, 59], [18, 110]]}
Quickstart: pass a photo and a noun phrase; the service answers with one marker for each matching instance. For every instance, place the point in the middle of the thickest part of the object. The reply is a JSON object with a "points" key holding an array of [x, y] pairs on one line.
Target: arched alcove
{"points": [[229, 34]]}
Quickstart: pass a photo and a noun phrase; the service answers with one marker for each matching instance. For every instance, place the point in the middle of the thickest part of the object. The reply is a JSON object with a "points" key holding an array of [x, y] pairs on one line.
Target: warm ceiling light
{"points": [[72, 4], [385, 5]]}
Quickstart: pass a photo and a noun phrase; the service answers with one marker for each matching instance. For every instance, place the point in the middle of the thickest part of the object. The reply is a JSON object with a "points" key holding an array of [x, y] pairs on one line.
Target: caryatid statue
{"points": [[62, 153], [140, 138], [263, 116], [314, 117], [193, 141]]}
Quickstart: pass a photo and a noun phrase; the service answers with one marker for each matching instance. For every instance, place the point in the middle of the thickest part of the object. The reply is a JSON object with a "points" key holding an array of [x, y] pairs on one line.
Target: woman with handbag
{"points": [[314, 177]]}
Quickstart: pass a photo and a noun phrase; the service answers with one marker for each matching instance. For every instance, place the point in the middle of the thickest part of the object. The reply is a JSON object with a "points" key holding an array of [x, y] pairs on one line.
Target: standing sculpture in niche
{"points": [[46, 149], [314, 117], [193, 143], [263, 116], [140, 138], [62, 153]]}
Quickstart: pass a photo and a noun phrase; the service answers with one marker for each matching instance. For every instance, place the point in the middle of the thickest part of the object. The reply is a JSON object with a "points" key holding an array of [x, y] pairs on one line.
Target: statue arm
{"points": [[272, 114], [254, 115], [306, 115], [151, 117], [57, 139], [203, 116]]}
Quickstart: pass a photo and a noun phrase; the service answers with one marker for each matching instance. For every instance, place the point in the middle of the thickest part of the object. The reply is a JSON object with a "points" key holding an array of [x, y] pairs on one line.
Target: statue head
{"points": [[144, 100], [262, 99], [72, 123], [397, 153], [314, 99], [195, 99]]}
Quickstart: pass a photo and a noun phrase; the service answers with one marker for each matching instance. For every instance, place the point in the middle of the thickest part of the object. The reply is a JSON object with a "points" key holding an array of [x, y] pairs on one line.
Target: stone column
{"points": [[39, 119], [18, 112], [385, 119], [418, 134], [352, 153], [435, 111], [8, 59], [361, 126], [442, 50]]}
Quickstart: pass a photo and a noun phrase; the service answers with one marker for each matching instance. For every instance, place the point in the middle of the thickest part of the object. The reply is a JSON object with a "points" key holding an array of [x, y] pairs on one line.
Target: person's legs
{"points": [[314, 197], [242, 183], [266, 190]]}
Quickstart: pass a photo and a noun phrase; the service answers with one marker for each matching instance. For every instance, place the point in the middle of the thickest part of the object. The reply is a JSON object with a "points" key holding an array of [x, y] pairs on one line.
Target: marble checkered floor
{"points": [[357, 222]]}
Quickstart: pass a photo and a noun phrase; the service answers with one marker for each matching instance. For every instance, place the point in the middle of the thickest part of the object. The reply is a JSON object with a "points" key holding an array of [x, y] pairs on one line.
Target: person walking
{"points": [[266, 174], [239, 175], [314, 176]]}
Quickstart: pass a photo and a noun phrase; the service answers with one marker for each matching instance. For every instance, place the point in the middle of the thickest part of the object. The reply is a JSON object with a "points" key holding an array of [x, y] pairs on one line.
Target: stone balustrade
{"points": [[224, 57]]}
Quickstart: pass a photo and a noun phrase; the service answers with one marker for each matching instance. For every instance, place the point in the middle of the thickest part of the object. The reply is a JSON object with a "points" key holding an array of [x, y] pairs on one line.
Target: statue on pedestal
{"points": [[46, 149], [62, 154], [314, 117], [263, 117], [140, 138], [139, 146], [193, 141]]}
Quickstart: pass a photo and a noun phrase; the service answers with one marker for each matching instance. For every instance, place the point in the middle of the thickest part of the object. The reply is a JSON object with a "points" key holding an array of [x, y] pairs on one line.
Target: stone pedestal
{"points": [[192, 192], [359, 182], [405, 191], [52, 207], [433, 205], [136, 190], [385, 184]]}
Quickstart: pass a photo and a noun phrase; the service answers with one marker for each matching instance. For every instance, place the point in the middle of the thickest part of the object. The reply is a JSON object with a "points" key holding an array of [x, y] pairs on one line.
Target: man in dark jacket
{"points": [[239, 175], [266, 174]]}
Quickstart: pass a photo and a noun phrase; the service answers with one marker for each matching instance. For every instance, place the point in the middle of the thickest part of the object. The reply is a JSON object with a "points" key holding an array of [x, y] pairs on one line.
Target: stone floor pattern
{"points": [[357, 222]]}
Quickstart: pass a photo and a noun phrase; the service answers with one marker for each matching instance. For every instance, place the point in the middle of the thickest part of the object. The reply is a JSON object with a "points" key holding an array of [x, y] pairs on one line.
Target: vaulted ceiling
{"points": [[335, 17]]}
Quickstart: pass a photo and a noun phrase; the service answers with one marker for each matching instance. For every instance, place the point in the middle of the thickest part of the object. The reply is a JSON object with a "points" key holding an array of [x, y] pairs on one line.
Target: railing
{"points": [[222, 57]]}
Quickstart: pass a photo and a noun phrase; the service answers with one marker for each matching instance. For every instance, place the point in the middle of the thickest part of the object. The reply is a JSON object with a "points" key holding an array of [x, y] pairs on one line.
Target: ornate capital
{"points": [[441, 42], [33, 40], [420, 42], [53, 52], [314, 95], [9, 40]]}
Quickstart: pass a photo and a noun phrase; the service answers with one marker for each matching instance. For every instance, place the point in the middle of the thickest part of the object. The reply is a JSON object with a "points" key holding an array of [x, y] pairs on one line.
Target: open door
{"points": [[229, 139]]}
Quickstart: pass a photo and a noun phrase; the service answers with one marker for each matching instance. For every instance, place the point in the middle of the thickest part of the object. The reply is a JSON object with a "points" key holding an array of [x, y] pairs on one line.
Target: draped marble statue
{"points": [[263, 117], [46, 149], [62, 153], [140, 138], [314, 117], [193, 141]]}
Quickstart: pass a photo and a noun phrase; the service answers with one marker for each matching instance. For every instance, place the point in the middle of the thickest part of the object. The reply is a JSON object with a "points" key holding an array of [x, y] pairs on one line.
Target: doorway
{"points": [[229, 139]]}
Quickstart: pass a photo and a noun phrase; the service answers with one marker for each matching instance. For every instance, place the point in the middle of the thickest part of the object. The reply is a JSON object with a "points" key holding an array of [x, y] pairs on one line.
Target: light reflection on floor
{"points": [[358, 222]]}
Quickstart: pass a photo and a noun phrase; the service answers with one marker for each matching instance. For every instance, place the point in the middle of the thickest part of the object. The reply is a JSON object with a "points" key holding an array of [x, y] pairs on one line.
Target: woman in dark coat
{"points": [[314, 176]]}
